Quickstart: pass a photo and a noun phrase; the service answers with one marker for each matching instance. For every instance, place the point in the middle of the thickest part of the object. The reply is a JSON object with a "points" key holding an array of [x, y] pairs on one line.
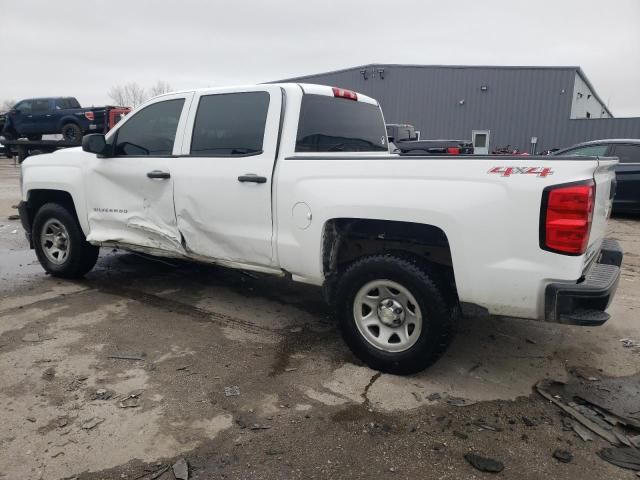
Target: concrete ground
{"points": [[306, 407]]}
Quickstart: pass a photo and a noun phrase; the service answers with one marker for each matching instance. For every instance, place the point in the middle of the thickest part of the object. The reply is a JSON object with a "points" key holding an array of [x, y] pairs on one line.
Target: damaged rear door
{"points": [[223, 180], [130, 194]]}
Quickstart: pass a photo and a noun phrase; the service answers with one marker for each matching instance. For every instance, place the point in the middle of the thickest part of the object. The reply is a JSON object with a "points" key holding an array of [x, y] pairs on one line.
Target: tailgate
{"points": [[605, 179]]}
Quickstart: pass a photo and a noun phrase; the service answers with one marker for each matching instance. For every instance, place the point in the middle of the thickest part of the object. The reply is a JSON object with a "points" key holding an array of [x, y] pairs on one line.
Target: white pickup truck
{"points": [[297, 180]]}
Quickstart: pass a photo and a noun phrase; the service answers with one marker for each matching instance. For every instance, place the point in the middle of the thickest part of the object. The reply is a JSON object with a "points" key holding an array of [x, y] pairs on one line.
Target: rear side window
{"points": [[627, 153], [329, 124], [588, 151], [66, 103], [230, 124], [151, 131], [40, 106]]}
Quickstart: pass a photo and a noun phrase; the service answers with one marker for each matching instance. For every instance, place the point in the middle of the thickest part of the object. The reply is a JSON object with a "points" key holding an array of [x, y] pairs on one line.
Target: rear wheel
{"points": [[60, 244], [393, 315], [71, 132]]}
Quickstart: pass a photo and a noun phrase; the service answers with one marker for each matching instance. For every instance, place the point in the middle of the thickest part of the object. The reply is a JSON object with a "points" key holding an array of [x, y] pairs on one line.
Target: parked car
{"points": [[404, 140], [34, 117], [296, 180], [627, 194]]}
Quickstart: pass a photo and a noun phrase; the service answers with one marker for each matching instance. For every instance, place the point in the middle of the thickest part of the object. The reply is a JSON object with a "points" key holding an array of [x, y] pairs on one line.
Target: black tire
{"points": [[81, 257], [34, 138], [438, 322], [72, 133]]}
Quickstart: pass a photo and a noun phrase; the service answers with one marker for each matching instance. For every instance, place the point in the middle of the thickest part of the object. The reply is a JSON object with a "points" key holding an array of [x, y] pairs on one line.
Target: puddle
{"points": [[16, 266]]}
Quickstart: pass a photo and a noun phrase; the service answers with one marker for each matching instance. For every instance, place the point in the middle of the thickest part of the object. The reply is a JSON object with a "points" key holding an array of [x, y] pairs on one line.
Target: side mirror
{"points": [[96, 143], [14, 111]]}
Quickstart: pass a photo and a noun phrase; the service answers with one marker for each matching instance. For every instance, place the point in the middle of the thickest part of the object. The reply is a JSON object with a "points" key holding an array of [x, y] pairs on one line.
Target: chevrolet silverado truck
{"points": [[297, 180], [34, 117]]}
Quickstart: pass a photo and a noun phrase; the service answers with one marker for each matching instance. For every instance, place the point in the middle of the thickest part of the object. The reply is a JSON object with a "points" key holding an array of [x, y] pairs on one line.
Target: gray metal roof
{"points": [[450, 101], [570, 68]]}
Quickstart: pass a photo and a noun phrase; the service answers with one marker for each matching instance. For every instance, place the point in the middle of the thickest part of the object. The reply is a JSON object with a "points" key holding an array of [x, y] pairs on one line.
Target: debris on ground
{"points": [[31, 337], [136, 358], [571, 408], [629, 343], [92, 423], [257, 426], [582, 432], [49, 373], [563, 456], [13, 217], [157, 474], [434, 397], [101, 394], [484, 464], [181, 469], [132, 400], [232, 391], [485, 426], [528, 422], [624, 457]]}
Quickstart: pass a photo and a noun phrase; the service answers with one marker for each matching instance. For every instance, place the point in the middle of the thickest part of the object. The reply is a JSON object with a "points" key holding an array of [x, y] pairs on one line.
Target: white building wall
{"points": [[584, 103]]}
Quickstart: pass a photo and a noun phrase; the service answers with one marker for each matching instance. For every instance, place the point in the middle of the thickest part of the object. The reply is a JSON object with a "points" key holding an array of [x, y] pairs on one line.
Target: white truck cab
{"points": [[297, 180]]}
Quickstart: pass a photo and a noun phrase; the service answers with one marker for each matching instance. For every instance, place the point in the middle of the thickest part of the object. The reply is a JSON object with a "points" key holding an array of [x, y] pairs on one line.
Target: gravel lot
{"points": [[306, 407]]}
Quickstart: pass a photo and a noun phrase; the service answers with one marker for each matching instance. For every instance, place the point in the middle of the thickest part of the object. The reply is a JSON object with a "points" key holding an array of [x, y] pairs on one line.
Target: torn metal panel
{"points": [[125, 206]]}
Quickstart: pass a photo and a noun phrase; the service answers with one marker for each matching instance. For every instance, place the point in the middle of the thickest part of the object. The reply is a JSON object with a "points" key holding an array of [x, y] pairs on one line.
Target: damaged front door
{"points": [[223, 180], [130, 193]]}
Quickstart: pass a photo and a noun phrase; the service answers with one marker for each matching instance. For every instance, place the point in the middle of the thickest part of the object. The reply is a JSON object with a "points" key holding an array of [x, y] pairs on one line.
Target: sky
{"points": [[82, 48]]}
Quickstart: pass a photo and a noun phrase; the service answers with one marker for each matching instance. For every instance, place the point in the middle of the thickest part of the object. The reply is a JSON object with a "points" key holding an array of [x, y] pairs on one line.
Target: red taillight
{"points": [[89, 116], [453, 151], [342, 93], [566, 217]]}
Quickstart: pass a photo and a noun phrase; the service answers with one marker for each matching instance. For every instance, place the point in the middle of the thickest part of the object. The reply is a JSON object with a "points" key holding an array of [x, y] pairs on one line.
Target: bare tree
{"points": [[159, 88], [7, 105], [128, 95]]}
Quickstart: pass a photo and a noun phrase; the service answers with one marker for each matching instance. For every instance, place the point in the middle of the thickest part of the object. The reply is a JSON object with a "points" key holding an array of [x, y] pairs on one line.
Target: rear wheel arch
{"points": [[345, 240]]}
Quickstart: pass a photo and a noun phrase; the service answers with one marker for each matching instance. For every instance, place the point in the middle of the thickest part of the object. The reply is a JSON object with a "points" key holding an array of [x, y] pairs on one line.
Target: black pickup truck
{"points": [[31, 118], [404, 140]]}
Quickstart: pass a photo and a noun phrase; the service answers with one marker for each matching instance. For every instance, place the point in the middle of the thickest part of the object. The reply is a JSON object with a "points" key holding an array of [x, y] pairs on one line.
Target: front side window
{"points": [[627, 153], [24, 107], [329, 124], [230, 124], [151, 131], [588, 151]]}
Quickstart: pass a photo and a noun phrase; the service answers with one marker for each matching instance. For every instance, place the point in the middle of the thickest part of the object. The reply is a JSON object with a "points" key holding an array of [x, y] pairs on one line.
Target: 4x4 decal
{"points": [[508, 171]]}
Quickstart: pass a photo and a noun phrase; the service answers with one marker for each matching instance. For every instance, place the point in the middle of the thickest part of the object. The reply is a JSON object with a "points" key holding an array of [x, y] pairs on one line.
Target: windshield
{"points": [[329, 124]]}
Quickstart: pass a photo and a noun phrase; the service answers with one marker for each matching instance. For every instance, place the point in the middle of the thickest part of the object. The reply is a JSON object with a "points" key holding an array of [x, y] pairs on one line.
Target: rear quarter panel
{"points": [[491, 220]]}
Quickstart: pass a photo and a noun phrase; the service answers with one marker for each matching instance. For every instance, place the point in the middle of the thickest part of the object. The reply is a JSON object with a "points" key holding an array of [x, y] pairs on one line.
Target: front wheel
{"points": [[60, 244], [393, 315]]}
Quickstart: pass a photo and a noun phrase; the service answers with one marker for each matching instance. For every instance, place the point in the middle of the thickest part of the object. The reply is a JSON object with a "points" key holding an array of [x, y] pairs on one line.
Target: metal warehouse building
{"points": [[531, 108]]}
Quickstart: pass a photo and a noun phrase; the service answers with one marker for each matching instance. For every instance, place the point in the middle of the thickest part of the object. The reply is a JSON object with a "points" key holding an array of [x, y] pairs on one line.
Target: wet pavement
{"points": [[175, 335]]}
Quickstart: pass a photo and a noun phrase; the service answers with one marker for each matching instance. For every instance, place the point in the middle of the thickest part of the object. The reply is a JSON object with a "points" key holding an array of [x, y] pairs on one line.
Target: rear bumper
{"points": [[585, 302]]}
